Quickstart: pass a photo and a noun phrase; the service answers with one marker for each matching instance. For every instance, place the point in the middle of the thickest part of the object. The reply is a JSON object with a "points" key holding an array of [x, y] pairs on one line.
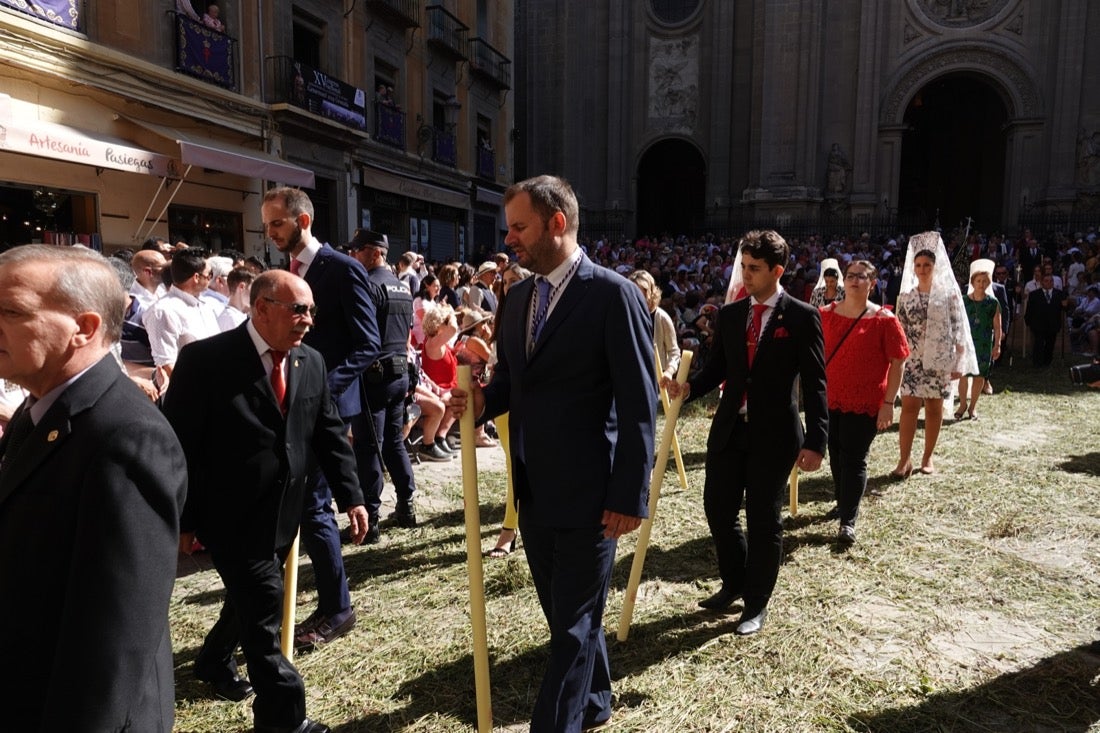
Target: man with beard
{"points": [[346, 334], [562, 372]]}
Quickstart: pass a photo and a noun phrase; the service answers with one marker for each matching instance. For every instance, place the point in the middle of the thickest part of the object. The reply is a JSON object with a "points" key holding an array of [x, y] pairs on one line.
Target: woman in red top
{"points": [[437, 359], [865, 349]]}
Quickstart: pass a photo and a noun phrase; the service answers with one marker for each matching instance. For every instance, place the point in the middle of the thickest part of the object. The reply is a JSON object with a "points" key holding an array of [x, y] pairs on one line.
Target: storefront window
{"points": [[209, 228]]}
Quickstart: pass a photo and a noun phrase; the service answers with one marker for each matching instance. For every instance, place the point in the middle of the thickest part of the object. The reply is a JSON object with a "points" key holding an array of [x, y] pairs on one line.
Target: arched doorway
{"points": [[672, 184], [953, 154]]}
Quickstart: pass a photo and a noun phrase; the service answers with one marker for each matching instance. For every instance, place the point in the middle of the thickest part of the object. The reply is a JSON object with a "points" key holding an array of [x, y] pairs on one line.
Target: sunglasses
{"points": [[298, 309]]}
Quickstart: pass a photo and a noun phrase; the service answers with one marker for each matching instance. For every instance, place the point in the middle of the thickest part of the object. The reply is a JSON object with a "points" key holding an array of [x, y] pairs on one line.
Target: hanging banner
{"points": [[65, 13]]}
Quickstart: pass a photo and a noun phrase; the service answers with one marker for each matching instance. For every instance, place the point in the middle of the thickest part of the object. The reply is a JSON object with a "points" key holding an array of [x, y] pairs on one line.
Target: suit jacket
{"points": [[790, 348], [582, 407], [1043, 316], [247, 464], [346, 328], [89, 530]]}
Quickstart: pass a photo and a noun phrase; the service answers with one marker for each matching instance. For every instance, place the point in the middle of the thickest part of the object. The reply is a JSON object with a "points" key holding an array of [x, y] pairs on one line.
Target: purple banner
{"points": [[205, 53], [65, 13]]}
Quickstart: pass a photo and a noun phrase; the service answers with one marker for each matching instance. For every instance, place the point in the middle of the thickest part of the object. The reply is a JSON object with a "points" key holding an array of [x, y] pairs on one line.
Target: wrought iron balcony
{"points": [[444, 149], [389, 125], [405, 13], [446, 32], [490, 64], [205, 53], [486, 163]]}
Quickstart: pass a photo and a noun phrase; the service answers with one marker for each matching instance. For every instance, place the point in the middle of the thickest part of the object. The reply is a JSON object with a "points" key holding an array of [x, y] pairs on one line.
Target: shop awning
{"points": [[228, 158], [51, 140]]}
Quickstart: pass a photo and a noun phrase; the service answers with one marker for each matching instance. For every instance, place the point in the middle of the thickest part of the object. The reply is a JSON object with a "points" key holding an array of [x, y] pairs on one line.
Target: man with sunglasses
{"points": [[260, 389], [346, 334]]}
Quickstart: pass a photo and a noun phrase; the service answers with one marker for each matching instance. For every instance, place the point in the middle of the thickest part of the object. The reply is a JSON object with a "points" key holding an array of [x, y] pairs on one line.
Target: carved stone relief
{"points": [[674, 83], [961, 13]]}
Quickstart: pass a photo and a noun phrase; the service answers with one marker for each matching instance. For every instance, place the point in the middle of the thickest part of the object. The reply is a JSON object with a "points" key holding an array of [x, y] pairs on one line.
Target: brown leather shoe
{"points": [[324, 631]]}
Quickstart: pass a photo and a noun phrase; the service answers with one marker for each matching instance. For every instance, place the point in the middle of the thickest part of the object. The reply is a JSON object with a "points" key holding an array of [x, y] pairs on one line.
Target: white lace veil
{"points": [[947, 346], [734, 288], [829, 263]]}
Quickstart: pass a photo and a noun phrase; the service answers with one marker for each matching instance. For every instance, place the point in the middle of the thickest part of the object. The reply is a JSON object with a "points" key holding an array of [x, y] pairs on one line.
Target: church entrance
{"points": [[953, 154], [672, 183]]}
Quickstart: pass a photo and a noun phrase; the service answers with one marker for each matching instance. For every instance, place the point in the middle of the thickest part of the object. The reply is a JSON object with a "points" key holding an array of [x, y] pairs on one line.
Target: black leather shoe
{"points": [[374, 532], [324, 631], [751, 624], [721, 600], [846, 537], [405, 518], [226, 686], [306, 726]]}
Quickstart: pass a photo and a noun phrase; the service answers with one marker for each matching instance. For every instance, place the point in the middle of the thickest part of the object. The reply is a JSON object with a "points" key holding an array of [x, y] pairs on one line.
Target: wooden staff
{"points": [[471, 508], [672, 413], [794, 490], [675, 440], [290, 599]]}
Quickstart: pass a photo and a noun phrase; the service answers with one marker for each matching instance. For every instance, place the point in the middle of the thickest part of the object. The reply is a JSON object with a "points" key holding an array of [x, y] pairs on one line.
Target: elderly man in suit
{"points": [[763, 346], [91, 487], [1045, 306], [346, 334], [562, 372], [259, 389]]}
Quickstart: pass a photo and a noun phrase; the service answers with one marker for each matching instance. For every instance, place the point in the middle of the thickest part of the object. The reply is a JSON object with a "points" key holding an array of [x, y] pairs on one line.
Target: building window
{"points": [[309, 34], [209, 228], [673, 11]]}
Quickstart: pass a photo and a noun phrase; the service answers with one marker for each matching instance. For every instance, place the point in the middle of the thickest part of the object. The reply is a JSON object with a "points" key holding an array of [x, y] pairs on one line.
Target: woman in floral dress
{"points": [[931, 312]]}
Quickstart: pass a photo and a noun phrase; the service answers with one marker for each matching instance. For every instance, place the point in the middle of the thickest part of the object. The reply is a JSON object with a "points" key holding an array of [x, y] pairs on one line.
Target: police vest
{"points": [[393, 302]]}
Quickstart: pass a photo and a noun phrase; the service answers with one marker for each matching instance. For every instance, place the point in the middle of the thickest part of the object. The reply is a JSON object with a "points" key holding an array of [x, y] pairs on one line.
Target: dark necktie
{"points": [[295, 265], [542, 305], [17, 432], [278, 381], [1047, 292]]}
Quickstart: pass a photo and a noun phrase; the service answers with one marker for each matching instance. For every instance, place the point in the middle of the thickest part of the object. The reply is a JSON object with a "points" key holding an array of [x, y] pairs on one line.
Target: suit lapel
{"points": [[56, 425], [773, 323], [294, 360]]}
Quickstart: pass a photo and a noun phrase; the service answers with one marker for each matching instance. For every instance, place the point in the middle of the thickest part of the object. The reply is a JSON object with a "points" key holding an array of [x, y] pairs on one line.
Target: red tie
{"points": [[295, 265], [278, 381], [754, 329]]}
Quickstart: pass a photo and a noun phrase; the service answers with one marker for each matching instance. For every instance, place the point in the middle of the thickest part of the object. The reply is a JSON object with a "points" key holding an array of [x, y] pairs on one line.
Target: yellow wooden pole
{"points": [[794, 490], [654, 494], [290, 599], [675, 439], [471, 508]]}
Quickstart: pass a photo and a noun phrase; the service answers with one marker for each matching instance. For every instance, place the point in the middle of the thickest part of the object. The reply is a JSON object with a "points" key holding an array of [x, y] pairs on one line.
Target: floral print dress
{"points": [[917, 380]]}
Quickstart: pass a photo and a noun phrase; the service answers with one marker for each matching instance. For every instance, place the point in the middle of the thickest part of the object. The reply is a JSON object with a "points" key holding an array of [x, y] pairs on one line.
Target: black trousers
{"points": [[850, 438], [387, 409], [1043, 348], [251, 617], [747, 562]]}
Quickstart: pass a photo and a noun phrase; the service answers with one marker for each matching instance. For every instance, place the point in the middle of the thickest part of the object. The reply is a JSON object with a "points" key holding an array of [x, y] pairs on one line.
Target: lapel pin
{"points": [[52, 436], [295, 363]]}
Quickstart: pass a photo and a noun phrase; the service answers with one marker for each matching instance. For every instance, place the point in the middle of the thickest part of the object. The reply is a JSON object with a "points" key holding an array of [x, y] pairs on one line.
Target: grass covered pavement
{"points": [[964, 606]]}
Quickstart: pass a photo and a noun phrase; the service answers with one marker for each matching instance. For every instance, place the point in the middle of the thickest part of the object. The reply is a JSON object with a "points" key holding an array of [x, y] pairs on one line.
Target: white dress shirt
{"points": [[176, 320]]}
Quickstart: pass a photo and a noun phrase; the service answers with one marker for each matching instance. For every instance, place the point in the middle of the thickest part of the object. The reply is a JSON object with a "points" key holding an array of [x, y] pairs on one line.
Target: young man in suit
{"points": [[562, 372], [92, 484], [1044, 311], [258, 388], [763, 346], [346, 334]]}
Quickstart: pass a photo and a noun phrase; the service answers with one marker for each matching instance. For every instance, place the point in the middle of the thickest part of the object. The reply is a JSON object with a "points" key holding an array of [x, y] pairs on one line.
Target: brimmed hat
{"points": [[367, 238], [486, 266], [471, 319], [982, 265]]}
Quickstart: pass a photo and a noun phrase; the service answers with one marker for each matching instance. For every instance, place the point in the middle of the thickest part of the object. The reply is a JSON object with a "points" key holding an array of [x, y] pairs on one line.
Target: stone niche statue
{"points": [[1088, 158], [836, 184]]}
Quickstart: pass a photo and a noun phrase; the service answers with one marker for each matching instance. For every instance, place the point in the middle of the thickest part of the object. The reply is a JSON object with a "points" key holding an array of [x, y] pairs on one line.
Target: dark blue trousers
{"points": [[387, 408]]}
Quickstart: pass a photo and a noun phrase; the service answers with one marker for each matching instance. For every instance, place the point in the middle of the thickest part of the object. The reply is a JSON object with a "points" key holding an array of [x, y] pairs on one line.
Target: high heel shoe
{"points": [[502, 550], [961, 411], [972, 415]]}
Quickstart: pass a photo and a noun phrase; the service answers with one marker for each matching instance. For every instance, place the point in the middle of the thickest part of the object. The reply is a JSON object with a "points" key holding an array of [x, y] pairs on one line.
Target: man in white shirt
{"points": [[180, 317], [217, 290], [148, 284], [239, 282]]}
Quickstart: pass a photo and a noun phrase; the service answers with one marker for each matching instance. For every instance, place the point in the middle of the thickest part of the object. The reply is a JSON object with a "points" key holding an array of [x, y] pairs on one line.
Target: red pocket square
{"points": [[781, 333]]}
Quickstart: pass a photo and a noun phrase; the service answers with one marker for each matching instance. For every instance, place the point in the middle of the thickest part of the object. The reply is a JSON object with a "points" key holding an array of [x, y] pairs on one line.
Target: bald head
{"points": [[282, 308]]}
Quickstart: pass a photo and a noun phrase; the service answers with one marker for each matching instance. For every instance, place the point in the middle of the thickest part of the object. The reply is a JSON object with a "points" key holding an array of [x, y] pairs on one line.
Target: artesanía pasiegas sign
{"points": [[65, 143]]}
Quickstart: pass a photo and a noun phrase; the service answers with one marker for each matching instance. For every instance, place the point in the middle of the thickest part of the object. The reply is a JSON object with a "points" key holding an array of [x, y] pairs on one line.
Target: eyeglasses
{"points": [[861, 276], [298, 309], [206, 275]]}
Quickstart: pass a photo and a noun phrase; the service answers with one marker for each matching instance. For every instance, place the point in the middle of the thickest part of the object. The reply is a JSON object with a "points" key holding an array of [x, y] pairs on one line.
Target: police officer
{"points": [[386, 384]]}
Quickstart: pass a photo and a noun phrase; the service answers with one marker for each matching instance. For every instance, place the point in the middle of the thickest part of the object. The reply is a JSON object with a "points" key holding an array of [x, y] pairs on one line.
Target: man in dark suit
{"points": [[563, 370], [1045, 307], [91, 487], [346, 334], [224, 402], [763, 346]]}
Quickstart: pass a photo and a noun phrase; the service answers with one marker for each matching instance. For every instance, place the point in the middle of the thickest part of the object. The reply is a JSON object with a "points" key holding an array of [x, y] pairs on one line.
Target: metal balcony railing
{"points": [[405, 13], [389, 125], [444, 149], [205, 53], [446, 32], [300, 84], [490, 63]]}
